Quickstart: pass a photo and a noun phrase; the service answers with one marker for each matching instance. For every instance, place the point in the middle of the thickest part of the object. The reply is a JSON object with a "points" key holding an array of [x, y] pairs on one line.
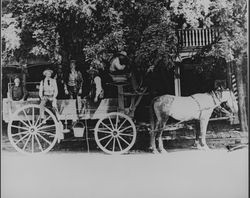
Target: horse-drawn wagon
{"points": [[114, 131]]}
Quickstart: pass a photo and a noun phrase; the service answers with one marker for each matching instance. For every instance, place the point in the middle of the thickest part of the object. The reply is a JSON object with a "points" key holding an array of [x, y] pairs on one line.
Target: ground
{"points": [[177, 174]]}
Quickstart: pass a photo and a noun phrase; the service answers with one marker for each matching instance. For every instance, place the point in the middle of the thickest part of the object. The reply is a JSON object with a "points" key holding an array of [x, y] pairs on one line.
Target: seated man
{"points": [[18, 91], [119, 65], [47, 91]]}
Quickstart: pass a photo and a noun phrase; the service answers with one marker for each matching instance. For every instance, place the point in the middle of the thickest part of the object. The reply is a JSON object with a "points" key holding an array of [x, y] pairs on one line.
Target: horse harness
{"points": [[214, 96], [199, 105]]}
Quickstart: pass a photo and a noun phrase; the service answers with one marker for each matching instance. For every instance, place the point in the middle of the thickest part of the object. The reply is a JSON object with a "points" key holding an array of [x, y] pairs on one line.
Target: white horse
{"points": [[195, 107]]}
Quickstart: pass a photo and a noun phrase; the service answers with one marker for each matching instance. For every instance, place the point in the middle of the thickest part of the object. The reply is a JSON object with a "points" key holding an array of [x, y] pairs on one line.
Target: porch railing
{"points": [[197, 37]]}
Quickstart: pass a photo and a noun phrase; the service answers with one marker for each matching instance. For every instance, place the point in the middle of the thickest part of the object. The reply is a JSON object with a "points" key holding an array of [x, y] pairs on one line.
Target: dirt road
{"points": [[177, 174]]}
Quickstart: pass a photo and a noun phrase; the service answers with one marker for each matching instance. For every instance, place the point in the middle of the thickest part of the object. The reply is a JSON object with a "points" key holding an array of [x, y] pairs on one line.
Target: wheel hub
{"points": [[32, 130], [115, 133]]}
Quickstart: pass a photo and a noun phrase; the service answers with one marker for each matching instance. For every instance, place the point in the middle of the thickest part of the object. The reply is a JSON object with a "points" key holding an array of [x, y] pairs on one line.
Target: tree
{"points": [[59, 29], [231, 17]]}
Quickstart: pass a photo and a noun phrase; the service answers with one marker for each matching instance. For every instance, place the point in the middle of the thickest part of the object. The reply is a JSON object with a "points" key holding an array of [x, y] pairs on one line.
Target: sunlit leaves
{"points": [[10, 35]]}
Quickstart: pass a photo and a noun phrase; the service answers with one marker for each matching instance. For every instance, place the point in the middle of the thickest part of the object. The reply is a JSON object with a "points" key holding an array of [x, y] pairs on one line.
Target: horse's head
{"points": [[229, 98]]}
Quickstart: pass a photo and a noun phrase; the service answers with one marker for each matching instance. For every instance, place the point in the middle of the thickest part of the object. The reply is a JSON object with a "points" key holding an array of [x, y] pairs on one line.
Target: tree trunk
{"points": [[242, 97]]}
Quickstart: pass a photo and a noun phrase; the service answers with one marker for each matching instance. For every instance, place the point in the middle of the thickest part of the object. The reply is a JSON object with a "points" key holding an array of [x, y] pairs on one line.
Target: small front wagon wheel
{"points": [[115, 133], [29, 134]]}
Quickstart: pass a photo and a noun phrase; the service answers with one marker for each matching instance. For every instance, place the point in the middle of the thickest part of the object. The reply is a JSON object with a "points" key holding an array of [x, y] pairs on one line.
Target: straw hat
{"points": [[47, 71]]}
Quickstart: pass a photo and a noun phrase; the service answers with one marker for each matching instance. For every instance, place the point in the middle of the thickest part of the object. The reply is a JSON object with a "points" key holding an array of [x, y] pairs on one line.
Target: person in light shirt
{"points": [[48, 91]]}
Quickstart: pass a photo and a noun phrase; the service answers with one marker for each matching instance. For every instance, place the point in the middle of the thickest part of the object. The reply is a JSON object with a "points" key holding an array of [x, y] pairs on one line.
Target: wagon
{"points": [[114, 130], [113, 123]]}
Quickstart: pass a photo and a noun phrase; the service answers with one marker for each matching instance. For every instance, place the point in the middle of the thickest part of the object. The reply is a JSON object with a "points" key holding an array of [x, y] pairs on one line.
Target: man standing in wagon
{"points": [[48, 91]]}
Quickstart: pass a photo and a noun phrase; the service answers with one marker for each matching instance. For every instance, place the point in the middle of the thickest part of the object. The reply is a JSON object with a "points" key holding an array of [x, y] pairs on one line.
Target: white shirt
{"points": [[48, 87], [116, 65]]}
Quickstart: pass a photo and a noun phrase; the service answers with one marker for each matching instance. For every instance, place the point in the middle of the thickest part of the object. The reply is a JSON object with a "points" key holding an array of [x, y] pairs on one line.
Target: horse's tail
{"points": [[152, 115]]}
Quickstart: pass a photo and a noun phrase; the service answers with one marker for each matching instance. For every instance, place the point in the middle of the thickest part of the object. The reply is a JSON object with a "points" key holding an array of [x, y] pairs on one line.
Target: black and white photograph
{"points": [[124, 99]]}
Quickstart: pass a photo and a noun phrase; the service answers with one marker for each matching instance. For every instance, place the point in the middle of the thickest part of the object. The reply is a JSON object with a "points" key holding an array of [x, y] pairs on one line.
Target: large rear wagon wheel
{"points": [[29, 134], [115, 133]]}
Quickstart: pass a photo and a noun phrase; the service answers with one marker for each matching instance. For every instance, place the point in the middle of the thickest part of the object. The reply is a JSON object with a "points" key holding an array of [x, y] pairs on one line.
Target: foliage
{"points": [[229, 15], [10, 35], [92, 30]]}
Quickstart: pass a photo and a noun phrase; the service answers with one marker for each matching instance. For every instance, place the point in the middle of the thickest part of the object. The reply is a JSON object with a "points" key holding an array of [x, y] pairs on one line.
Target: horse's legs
{"points": [[160, 141], [152, 142], [155, 135], [197, 135], [203, 130]]}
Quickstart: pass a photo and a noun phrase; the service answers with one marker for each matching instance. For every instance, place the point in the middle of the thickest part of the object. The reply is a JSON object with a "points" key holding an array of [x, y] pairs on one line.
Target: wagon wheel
{"points": [[28, 134], [115, 133]]}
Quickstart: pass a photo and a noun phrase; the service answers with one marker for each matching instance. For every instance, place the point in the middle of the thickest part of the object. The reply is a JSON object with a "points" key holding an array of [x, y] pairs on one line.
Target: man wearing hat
{"points": [[48, 91]]}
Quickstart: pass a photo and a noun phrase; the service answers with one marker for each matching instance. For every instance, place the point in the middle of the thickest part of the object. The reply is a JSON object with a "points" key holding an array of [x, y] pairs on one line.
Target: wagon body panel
{"points": [[67, 108]]}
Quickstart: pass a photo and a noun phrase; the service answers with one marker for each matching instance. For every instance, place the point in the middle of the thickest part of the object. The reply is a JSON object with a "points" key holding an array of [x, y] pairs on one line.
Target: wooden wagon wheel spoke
{"points": [[33, 116], [47, 133], [21, 138], [26, 142], [123, 140], [101, 131], [26, 116], [116, 121], [125, 134], [119, 143], [108, 142], [19, 127], [36, 123], [22, 122], [106, 126], [32, 143], [47, 126], [20, 133], [111, 123], [39, 144], [108, 136], [124, 129], [44, 139], [113, 144], [43, 121], [122, 124]]}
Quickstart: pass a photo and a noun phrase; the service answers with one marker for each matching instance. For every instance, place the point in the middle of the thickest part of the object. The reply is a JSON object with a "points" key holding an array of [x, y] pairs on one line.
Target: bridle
{"points": [[215, 97]]}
